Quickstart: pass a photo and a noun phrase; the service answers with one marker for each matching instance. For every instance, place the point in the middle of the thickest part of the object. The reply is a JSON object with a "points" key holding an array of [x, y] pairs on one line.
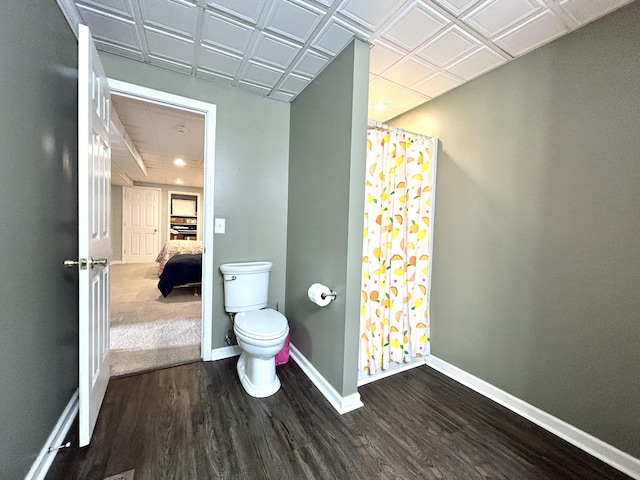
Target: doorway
{"points": [[208, 111]]}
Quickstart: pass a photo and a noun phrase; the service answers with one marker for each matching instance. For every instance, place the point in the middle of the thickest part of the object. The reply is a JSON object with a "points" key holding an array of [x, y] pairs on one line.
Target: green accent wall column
{"points": [[325, 221], [38, 228], [536, 267]]}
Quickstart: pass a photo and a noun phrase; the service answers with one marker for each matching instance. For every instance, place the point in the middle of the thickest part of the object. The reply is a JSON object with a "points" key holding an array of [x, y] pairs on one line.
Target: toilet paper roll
{"points": [[315, 293]]}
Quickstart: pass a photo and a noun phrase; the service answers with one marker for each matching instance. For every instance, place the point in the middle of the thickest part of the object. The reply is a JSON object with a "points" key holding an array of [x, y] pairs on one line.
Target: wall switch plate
{"points": [[219, 225]]}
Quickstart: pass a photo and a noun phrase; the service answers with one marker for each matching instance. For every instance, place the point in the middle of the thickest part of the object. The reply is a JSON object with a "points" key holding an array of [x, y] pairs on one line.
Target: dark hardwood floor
{"points": [[196, 422]]}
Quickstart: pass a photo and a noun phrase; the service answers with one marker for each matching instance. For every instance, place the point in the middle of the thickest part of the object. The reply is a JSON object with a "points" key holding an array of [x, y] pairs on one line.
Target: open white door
{"points": [[94, 226]]}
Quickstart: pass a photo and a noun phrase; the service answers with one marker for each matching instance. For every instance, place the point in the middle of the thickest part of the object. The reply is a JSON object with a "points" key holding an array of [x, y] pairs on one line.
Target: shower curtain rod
{"points": [[383, 126]]}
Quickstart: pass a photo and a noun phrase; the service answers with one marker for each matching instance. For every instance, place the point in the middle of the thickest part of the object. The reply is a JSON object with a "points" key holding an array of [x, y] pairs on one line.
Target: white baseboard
{"points": [[340, 403], [590, 444], [225, 352], [393, 369], [44, 460]]}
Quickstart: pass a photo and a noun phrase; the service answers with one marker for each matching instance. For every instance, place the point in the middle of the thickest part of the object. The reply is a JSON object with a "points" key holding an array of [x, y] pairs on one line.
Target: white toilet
{"points": [[261, 332]]}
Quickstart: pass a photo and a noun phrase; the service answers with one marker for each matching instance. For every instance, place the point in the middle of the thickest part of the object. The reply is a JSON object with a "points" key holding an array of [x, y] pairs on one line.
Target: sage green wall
{"points": [[116, 212], [38, 218], [537, 233], [326, 205], [251, 173]]}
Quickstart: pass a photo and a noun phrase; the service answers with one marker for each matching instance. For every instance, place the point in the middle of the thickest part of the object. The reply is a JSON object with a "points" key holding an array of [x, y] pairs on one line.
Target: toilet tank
{"points": [[246, 285]]}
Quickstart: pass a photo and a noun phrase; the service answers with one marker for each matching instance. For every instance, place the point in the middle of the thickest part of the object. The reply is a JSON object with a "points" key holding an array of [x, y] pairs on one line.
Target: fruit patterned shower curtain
{"points": [[394, 313]]}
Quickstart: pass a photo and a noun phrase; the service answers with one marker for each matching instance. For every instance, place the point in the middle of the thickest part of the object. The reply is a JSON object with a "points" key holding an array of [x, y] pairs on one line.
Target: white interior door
{"points": [[94, 225], [140, 224]]}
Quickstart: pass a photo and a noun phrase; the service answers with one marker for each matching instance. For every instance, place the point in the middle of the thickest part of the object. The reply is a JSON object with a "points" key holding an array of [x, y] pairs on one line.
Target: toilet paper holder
{"points": [[321, 295], [333, 295]]}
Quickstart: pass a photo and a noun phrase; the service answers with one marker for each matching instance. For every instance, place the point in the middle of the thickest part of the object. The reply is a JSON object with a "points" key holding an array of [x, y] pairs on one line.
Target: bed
{"points": [[175, 247], [180, 265], [181, 270]]}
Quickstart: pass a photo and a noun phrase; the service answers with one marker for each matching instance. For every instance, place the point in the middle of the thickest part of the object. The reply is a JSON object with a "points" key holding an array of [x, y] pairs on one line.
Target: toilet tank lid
{"points": [[243, 268]]}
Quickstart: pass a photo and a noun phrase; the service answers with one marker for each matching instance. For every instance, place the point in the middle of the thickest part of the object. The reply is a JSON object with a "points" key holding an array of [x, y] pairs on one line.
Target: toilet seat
{"points": [[267, 324]]}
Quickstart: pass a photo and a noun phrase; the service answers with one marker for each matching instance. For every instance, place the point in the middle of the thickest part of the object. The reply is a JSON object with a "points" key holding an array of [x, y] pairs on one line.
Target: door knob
{"points": [[82, 263], [101, 262]]}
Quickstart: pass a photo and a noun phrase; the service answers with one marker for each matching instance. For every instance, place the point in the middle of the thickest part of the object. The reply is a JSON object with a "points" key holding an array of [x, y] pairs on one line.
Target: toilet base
{"points": [[258, 375]]}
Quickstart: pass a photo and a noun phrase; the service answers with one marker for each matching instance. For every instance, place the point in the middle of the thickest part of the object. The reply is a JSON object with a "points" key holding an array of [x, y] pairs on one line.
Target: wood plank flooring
{"points": [[196, 422]]}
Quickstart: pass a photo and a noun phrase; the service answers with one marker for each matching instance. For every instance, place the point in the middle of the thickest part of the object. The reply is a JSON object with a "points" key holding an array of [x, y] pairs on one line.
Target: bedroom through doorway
{"points": [[159, 174]]}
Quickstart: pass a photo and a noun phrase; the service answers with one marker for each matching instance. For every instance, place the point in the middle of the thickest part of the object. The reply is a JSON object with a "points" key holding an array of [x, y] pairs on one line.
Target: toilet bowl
{"points": [[261, 332]]}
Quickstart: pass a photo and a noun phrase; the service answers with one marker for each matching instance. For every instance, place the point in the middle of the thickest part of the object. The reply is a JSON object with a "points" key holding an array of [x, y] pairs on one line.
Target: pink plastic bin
{"points": [[282, 356]]}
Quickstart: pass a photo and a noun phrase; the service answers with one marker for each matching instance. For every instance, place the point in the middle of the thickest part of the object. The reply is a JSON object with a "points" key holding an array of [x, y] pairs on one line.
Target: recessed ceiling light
{"points": [[380, 106], [179, 162], [179, 181]]}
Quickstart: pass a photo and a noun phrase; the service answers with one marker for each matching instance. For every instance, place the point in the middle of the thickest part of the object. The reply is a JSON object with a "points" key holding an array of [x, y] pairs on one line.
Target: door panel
{"points": [[94, 237], [140, 224]]}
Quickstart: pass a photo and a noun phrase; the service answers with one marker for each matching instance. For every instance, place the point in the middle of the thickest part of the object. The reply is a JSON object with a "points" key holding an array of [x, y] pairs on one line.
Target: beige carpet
{"points": [[147, 330]]}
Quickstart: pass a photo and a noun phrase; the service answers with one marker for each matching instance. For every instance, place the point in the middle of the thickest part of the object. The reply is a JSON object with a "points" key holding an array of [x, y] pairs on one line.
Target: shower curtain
{"points": [[394, 312]]}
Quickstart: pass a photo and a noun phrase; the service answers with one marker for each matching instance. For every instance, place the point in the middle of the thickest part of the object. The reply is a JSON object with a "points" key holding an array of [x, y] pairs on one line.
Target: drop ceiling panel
{"points": [[537, 31], [262, 75], [408, 72], [437, 85], [170, 64], [114, 30], [250, 10], [382, 91], [414, 27], [275, 51], [448, 46], [584, 11], [311, 63], [252, 87], [214, 76], [134, 54], [119, 7], [476, 63], [494, 16], [456, 6], [294, 84], [164, 45], [383, 115], [409, 99], [334, 36], [368, 14], [383, 56], [219, 62], [275, 48], [294, 20], [226, 33], [172, 15]]}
